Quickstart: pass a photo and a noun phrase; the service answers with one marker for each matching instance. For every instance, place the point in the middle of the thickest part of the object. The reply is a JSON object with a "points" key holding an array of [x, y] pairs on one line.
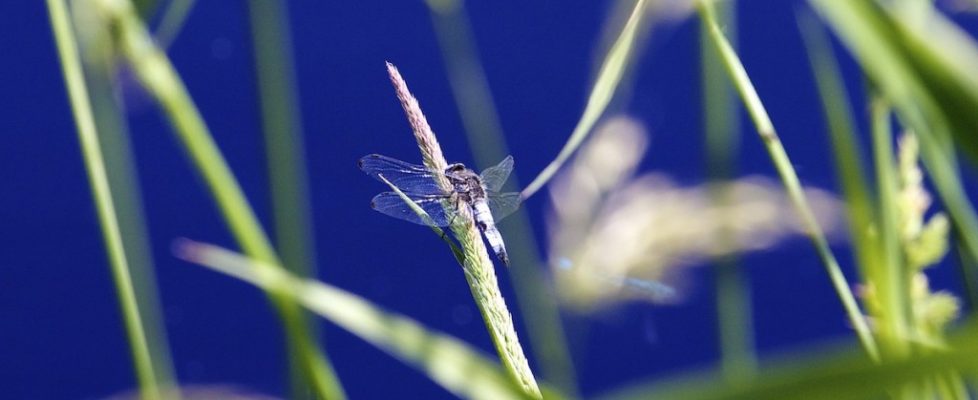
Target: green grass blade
{"points": [[282, 129], [782, 163], [449, 362], [121, 170], [892, 285], [846, 150], [468, 81], [604, 88], [102, 194], [722, 130]]}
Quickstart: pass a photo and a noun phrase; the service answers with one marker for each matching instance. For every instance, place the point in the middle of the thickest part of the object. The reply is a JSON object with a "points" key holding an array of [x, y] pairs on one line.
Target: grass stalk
{"points": [[477, 267], [67, 46], [765, 129], [282, 129], [735, 319], [159, 78], [473, 97], [609, 76]]}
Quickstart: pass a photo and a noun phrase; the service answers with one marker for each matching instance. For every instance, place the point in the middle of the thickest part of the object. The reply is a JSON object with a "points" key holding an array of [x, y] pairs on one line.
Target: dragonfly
{"points": [[480, 192]]}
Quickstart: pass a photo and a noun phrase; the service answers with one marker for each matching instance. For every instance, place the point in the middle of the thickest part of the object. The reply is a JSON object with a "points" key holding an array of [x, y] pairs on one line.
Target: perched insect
{"points": [[469, 189]]}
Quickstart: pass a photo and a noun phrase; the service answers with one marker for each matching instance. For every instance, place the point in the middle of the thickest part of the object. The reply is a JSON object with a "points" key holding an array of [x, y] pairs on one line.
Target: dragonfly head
{"points": [[456, 167]]}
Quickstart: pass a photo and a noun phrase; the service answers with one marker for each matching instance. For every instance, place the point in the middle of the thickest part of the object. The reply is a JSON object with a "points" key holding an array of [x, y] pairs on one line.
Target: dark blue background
{"points": [[61, 334]]}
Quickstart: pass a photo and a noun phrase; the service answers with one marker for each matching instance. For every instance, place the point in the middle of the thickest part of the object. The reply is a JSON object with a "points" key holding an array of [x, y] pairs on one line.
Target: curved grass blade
{"points": [[449, 362], [604, 88]]}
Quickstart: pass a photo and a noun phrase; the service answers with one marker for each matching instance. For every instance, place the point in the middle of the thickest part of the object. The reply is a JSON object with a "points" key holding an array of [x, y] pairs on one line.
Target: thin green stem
{"points": [[158, 76], [735, 319], [283, 134], [604, 89], [102, 195], [765, 129]]}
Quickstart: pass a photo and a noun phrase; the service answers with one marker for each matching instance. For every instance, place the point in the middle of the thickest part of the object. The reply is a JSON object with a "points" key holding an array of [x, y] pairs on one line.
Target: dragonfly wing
{"points": [[503, 204], [393, 205], [410, 178], [494, 177]]}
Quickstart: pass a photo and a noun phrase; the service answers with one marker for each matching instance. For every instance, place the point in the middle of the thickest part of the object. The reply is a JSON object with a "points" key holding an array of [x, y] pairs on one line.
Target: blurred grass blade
{"points": [[174, 18], [722, 130], [765, 129], [160, 79], [282, 129], [601, 94], [468, 81], [126, 195], [87, 131], [846, 151], [891, 285], [929, 79], [488, 145], [449, 362], [842, 376]]}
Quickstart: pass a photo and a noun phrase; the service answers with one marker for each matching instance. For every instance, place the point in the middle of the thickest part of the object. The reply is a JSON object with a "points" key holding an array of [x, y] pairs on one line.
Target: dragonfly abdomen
{"points": [[483, 217]]}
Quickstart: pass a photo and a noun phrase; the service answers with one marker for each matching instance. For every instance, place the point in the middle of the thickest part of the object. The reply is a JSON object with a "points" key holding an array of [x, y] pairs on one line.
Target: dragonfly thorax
{"points": [[466, 183]]}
